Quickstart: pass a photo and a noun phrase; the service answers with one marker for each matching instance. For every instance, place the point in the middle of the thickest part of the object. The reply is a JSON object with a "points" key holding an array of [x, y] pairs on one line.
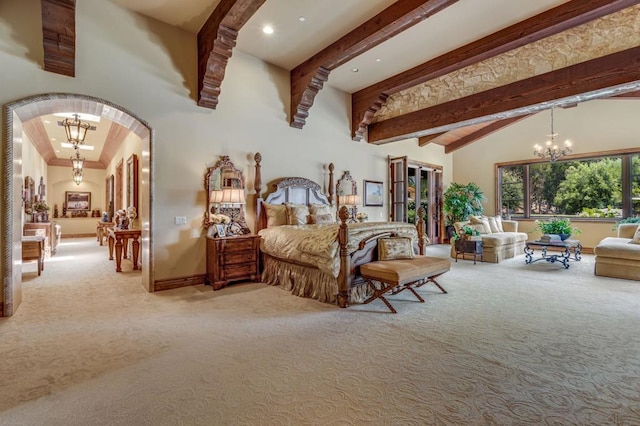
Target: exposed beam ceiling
{"points": [[366, 102], [59, 36], [308, 78], [216, 41], [481, 132], [514, 99]]}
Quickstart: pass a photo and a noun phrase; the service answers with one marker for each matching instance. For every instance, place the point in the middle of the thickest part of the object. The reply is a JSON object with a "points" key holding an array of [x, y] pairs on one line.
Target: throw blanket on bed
{"points": [[317, 245]]}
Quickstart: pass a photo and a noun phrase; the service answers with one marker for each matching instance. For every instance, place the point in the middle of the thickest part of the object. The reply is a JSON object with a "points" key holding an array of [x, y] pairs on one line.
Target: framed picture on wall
{"points": [[77, 201], [373, 193]]}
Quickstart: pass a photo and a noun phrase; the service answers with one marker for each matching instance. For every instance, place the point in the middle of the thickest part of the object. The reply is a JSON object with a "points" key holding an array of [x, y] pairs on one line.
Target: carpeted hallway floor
{"points": [[510, 344]]}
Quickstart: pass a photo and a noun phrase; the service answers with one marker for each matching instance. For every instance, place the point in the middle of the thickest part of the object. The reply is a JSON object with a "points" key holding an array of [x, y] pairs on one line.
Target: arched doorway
{"points": [[15, 114]]}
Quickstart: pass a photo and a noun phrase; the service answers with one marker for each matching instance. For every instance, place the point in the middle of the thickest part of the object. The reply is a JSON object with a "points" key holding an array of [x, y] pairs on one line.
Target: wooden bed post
{"points": [[344, 279], [257, 185], [420, 226], [330, 197]]}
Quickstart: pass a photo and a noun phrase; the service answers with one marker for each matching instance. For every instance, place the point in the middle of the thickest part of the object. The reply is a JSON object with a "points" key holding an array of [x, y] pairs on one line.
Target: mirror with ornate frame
{"points": [[224, 185], [347, 194]]}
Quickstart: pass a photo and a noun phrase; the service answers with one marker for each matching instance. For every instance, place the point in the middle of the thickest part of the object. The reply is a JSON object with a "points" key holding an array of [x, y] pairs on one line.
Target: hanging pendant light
{"points": [[551, 150], [76, 130]]}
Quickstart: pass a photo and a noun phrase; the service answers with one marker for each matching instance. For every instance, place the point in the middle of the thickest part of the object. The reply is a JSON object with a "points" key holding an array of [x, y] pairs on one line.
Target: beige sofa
{"points": [[616, 257], [497, 246]]}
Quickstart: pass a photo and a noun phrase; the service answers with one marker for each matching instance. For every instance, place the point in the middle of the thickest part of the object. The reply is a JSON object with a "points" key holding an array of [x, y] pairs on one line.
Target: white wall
{"points": [[151, 69], [595, 126]]}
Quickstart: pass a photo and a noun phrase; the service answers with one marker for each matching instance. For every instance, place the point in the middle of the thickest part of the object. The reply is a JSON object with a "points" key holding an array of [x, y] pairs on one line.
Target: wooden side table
{"points": [[101, 231], [232, 259], [119, 238], [469, 246]]}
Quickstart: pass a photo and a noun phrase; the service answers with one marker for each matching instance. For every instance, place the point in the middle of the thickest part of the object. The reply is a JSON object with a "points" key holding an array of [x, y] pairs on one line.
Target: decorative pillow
{"points": [[297, 214], [636, 237], [321, 218], [478, 227], [481, 220], [393, 248], [317, 209], [493, 224], [276, 214], [499, 223]]}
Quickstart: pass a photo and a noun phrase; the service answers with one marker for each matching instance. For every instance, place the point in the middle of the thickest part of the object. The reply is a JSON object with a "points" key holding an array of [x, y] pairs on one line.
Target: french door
{"points": [[412, 185]]}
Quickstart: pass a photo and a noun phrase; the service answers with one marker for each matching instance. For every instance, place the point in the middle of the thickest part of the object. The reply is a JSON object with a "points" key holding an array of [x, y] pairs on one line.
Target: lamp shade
{"points": [[350, 200], [216, 196], [233, 196]]}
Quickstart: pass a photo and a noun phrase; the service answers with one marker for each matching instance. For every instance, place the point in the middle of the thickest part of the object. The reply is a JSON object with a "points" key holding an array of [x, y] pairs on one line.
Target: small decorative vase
{"points": [[564, 236]]}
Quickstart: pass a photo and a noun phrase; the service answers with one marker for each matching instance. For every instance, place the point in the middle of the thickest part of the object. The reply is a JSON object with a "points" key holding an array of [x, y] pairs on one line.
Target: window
{"points": [[594, 187]]}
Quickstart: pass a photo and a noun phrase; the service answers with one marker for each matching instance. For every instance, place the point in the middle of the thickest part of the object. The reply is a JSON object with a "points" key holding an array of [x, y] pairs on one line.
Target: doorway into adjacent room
{"points": [[30, 110]]}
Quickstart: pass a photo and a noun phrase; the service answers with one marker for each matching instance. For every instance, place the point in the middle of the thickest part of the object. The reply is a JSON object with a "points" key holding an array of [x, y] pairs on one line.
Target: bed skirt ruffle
{"points": [[306, 281]]}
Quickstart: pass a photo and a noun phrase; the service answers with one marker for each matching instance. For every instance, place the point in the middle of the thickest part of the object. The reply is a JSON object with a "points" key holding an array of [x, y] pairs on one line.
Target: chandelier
{"points": [[76, 167], [551, 150], [76, 130]]}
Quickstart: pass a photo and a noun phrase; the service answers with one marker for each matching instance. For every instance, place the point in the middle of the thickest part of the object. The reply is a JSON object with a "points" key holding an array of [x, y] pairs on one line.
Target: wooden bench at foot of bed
{"points": [[399, 275]]}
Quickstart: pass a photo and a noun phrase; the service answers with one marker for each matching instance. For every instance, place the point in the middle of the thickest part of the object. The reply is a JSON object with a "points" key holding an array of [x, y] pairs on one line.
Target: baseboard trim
{"points": [[171, 283], [93, 234]]}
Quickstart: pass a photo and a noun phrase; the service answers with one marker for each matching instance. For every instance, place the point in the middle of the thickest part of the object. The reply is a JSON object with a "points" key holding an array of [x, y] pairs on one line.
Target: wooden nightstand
{"points": [[232, 259]]}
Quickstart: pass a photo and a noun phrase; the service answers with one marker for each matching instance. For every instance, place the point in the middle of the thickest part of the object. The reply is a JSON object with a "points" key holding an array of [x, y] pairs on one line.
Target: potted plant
{"points": [[461, 200], [464, 233], [558, 226]]}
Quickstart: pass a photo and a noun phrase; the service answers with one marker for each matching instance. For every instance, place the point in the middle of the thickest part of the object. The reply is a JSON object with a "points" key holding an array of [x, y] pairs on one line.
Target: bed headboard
{"points": [[295, 190]]}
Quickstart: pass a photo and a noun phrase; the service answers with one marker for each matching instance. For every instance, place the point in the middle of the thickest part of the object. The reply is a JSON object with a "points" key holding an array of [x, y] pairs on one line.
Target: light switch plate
{"points": [[180, 220]]}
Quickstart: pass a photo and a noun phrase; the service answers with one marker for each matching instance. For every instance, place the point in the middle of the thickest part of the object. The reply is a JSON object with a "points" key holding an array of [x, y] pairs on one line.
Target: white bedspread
{"points": [[317, 245]]}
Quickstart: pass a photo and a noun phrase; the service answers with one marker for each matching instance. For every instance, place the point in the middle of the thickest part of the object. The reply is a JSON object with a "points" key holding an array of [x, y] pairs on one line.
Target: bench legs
{"points": [[395, 289], [432, 279]]}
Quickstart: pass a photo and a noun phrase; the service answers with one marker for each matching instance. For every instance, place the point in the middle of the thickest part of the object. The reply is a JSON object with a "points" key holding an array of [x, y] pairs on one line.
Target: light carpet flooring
{"points": [[510, 344]]}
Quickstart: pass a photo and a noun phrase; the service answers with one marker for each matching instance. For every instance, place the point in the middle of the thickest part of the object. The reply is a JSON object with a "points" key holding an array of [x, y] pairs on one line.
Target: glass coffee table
{"points": [[562, 251]]}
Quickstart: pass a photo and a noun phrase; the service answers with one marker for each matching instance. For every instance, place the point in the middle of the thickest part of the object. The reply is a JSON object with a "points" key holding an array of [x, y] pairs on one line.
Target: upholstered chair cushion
{"points": [[636, 237]]}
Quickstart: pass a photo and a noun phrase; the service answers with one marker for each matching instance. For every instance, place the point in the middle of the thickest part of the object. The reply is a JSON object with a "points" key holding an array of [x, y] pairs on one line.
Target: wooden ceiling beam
{"points": [[553, 21], [308, 78], [589, 76], [485, 131], [216, 40], [425, 140], [59, 36]]}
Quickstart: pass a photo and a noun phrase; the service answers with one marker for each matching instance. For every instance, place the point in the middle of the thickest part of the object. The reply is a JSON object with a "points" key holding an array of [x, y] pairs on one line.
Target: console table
{"points": [[469, 246], [120, 238], [564, 249], [101, 229]]}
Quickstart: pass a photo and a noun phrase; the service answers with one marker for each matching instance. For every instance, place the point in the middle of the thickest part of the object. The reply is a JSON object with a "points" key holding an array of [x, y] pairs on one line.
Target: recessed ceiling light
{"points": [[53, 139], [267, 29], [47, 122], [355, 69], [378, 59], [57, 150], [302, 19], [81, 146]]}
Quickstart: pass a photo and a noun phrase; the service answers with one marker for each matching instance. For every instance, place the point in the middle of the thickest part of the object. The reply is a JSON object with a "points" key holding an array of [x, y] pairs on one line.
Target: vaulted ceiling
{"points": [[442, 71]]}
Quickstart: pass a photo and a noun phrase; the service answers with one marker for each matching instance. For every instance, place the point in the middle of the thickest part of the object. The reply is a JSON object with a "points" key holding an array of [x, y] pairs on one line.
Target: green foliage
{"points": [[602, 213], [460, 201], [594, 184], [466, 231], [41, 207], [627, 220], [557, 226]]}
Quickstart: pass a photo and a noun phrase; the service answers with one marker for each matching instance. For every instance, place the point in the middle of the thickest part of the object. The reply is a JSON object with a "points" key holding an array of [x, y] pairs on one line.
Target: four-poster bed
{"points": [[311, 256]]}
